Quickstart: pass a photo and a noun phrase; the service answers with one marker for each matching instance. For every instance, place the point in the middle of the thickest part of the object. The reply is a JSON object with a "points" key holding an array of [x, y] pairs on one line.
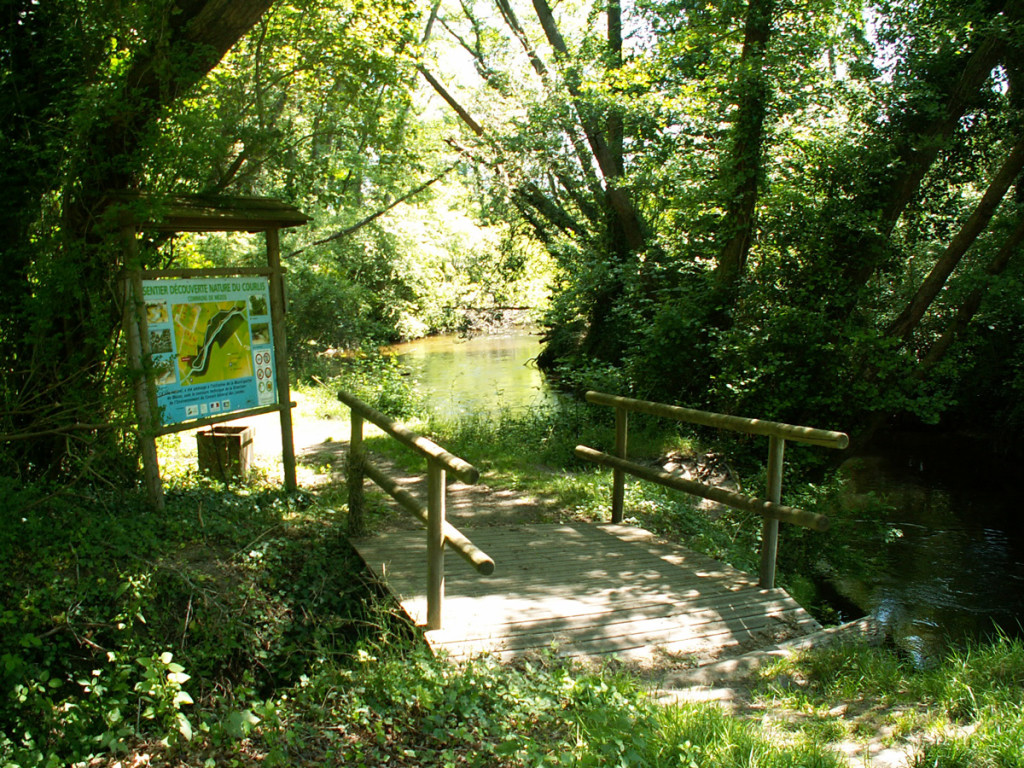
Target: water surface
{"points": [[955, 568], [480, 375]]}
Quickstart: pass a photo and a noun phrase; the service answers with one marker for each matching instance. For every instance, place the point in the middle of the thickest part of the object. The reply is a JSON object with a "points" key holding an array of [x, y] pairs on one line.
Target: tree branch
{"points": [[373, 216], [632, 226], [444, 94]]}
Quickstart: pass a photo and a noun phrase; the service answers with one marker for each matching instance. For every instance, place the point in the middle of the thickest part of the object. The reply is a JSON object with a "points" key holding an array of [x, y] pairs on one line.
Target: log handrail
{"points": [[821, 437], [732, 499], [771, 509], [463, 470], [470, 552], [439, 530]]}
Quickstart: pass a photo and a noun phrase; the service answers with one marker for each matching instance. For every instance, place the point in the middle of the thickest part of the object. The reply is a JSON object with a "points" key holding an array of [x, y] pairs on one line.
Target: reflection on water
{"points": [[956, 568], [481, 375]]}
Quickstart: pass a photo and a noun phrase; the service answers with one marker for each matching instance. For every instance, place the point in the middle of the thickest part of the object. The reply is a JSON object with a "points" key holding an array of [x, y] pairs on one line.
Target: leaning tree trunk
{"points": [[904, 325], [969, 306]]}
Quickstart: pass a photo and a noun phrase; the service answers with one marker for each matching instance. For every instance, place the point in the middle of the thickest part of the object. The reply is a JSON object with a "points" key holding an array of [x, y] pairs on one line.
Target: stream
{"points": [[953, 569], [481, 375]]}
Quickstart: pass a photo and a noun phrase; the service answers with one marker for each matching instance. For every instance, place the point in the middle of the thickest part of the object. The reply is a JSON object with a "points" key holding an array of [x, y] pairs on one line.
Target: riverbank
{"points": [[236, 629]]}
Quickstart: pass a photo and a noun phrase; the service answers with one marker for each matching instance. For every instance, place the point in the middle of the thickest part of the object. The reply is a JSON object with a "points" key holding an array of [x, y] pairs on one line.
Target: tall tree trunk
{"points": [[742, 167], [625, 229], [955, 328], [583, 157], [920, 151], [614, 120], [450, 100]]}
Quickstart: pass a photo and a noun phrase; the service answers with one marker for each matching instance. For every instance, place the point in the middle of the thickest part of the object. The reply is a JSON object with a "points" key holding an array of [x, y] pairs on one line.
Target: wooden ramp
{"points": [[586, 590]]}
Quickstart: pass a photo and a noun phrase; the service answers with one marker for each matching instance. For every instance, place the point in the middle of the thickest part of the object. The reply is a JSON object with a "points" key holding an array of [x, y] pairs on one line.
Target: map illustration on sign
{"points": [[213, 342], [211, 346]]}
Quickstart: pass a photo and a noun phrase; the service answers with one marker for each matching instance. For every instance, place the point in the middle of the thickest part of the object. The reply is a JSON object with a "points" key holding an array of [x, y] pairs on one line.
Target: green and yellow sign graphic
{"points": [[211, 346]]}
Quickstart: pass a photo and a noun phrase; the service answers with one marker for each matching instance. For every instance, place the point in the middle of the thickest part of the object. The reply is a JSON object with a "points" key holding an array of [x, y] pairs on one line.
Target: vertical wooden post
{"points": [[619, 476], [770, 528], [435, 542], [284, 395], [137, 330], [356, 473]]}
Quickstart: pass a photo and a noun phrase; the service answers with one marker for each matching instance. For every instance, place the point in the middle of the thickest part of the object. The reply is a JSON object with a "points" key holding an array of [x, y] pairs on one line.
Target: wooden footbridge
{"points": [[581, 589]]}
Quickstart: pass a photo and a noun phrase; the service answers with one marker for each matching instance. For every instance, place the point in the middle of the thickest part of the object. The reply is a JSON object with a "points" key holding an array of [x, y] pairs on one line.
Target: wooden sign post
{"points": [[199, 214]]}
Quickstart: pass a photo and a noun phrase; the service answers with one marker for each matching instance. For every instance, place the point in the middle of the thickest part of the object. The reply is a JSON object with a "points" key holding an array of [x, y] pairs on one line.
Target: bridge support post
{"points": [[618, 475], [356, 471], [770, 528], [435, 542]]}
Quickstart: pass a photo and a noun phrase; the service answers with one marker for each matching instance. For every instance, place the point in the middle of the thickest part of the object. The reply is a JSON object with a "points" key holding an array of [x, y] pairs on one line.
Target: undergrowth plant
{"points": [[411, 709], [118, 624]]}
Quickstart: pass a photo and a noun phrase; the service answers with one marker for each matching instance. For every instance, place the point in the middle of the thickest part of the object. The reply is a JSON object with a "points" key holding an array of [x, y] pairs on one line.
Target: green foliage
{"points": [[120, 625], [805, 335], [161, 694], [79, 111], [521, 441], [331, 313], [418, 710]]}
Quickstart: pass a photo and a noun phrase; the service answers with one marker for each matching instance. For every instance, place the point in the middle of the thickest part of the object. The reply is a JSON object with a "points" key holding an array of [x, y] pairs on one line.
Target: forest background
{"points": [[801, 210], [804, 211]]}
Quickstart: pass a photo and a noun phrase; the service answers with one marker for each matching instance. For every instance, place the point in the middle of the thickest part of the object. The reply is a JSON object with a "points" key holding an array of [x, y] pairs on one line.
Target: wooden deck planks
{"points": [[589, 590]]}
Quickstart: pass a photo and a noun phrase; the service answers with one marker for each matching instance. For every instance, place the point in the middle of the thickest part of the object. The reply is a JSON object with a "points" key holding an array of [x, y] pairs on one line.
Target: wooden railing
{"points": [[770, 509], [439, 530]]}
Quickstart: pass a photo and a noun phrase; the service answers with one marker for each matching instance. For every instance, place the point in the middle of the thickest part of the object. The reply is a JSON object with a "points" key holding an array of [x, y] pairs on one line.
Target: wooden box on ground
{"points": [[225, 453]]}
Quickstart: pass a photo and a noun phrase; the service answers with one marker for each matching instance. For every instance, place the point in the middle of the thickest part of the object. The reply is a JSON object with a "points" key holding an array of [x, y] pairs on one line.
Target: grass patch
{"points": [[965, 711]]}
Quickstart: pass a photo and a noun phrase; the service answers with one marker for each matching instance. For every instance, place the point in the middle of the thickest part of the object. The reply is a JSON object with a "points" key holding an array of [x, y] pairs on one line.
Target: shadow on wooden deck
{"points": [[588, 591]]}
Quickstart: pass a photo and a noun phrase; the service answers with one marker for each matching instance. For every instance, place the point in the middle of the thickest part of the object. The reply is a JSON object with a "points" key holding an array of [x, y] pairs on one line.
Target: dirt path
{"points": [[321, 448]]}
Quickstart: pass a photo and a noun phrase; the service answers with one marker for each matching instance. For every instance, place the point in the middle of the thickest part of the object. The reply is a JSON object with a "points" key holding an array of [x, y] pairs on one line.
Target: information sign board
{"points": [[211, 344]]}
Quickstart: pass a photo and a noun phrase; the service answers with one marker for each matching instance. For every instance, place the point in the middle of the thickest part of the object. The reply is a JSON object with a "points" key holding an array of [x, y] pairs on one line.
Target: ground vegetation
{"points": [[239, 628]]}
